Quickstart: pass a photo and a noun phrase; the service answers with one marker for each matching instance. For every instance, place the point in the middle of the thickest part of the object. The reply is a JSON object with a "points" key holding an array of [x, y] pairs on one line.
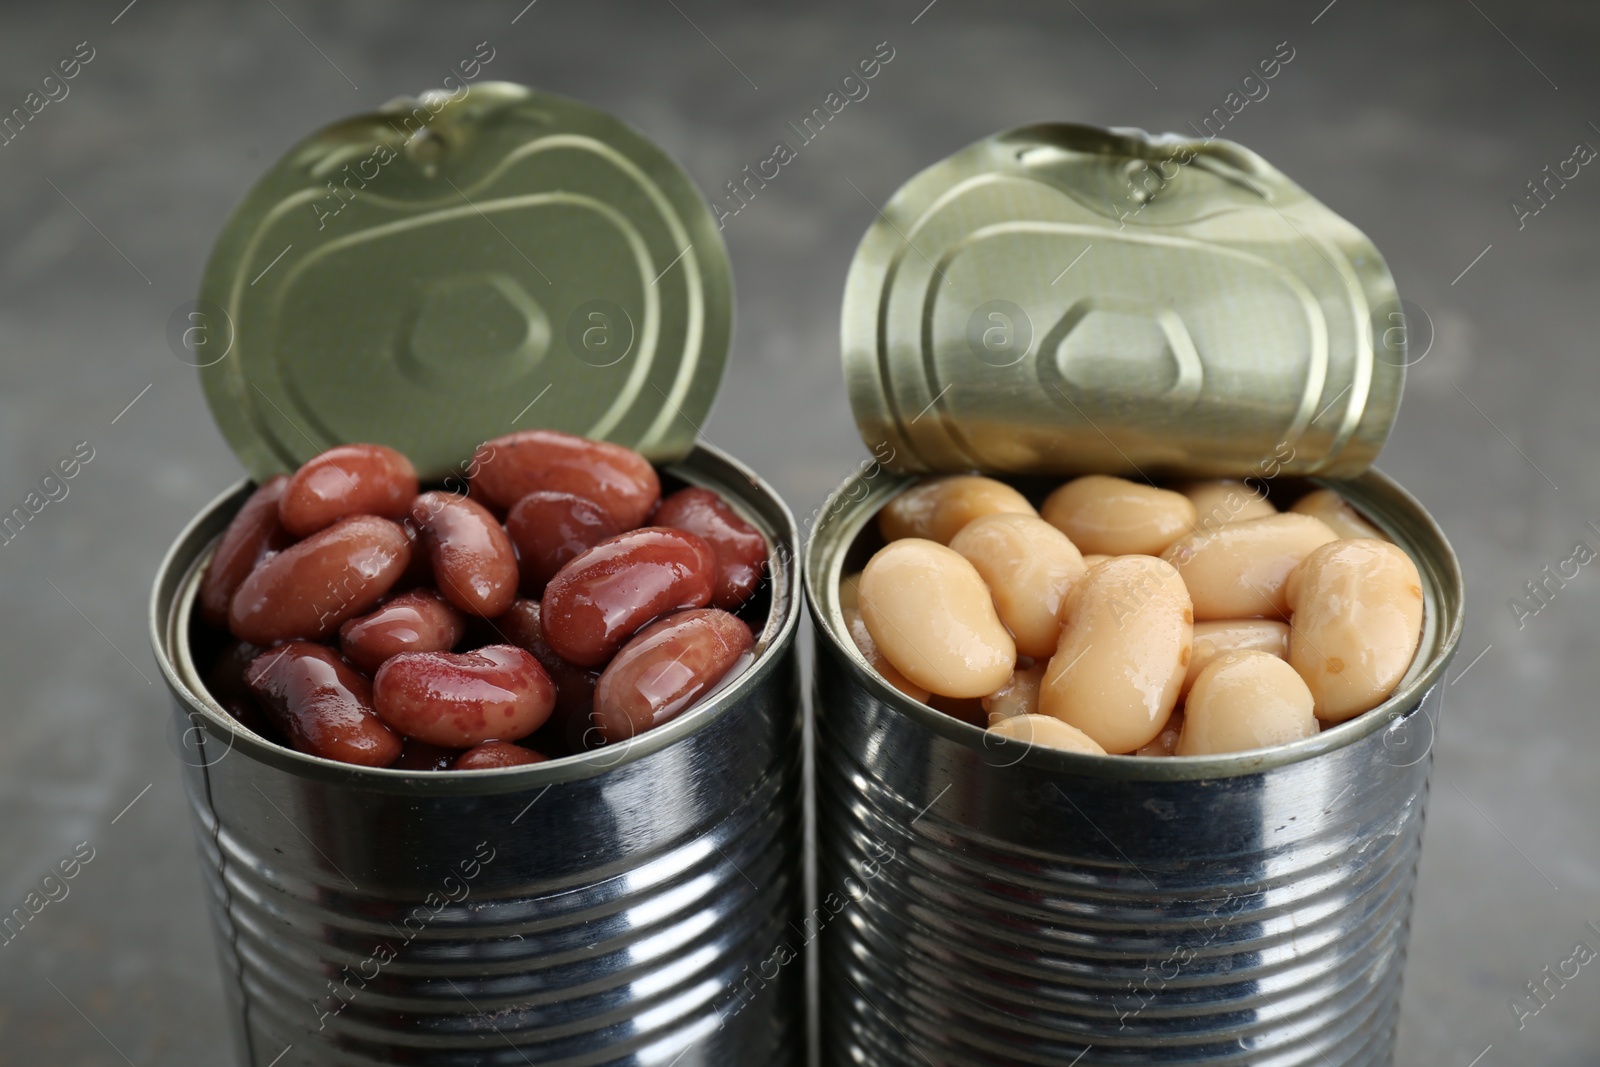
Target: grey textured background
{"points": [[1417, 124]]}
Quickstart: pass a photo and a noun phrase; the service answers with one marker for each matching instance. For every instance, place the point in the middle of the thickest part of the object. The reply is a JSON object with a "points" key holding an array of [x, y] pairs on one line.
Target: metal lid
{"points": [[1060, 299], [456, 267]]}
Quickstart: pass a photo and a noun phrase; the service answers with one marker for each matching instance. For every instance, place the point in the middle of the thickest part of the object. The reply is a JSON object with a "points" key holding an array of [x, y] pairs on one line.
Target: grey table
{"points": [[1418, 123]]}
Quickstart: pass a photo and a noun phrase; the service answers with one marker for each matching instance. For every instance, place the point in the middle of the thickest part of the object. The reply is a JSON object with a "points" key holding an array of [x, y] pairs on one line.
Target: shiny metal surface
{"points": [[1027, 906], [619, 907], [1065, 299]]}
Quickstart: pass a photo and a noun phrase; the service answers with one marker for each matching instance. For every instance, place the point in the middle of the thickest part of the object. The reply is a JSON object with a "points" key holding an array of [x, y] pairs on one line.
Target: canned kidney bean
{"points": [[344, 481], [1029, 567], [549, 528], [1240, 569], [618, 479], [254, 533], [1340, 517], [740, 549], [416, 621], [494, 754], [1242, 701], [938, 508], [474, 564], [497, 693], [322, 704], [665, 668], [1118, 517]]}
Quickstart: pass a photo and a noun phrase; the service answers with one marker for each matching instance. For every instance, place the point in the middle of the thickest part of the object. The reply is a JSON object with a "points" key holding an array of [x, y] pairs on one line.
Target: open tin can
{"points": [[1061, 300], [442, 271]]}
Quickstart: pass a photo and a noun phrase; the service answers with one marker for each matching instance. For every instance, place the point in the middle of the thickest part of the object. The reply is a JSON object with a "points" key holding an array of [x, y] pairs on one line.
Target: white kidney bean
{"points": [[1223, 500], [869, 649], [1047, 731], [1125, 646], [1243, 701], [1212, 639], [938, 508], [1239, 570], [932, 617], [1341, 518], [1029, 566], [1019, 696], [1118, 517], [1357, 622]]}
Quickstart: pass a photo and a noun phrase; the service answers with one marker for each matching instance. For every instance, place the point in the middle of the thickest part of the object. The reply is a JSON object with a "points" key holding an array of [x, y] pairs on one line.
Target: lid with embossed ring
{"points": [[458, 266], [1061, 299]]}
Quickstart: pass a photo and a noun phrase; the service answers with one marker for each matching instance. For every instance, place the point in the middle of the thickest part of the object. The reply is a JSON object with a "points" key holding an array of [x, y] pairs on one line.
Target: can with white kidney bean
{"points": [[444, 271], [1063, 300]]}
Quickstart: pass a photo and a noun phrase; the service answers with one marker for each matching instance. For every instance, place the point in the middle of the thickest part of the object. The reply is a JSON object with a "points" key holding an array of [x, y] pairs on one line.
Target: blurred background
{"points": [[1420, 124]]}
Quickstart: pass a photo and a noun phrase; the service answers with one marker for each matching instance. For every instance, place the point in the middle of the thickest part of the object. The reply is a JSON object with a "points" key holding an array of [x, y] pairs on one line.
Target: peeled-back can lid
{"points": [[1062, 299], [460, 266]]}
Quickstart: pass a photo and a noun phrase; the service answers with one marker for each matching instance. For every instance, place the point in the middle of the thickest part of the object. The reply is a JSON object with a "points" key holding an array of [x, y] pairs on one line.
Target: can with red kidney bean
{"points": [[486, 698]]}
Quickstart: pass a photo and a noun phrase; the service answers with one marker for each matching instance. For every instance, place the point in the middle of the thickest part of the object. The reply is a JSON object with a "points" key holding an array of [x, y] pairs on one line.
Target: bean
{"points": [[473, 561], [1212, 639], [550, 528], [1244, 701], [254, 534], [1224, 500], [1094, 559], [1240, 569], [859, 633], [1029, 566], [1125, 646], [311, 587], [602, 597], [932, 617], [457, 700], [344, 481], [421, 756], [1118, 517], [1047, 731], [664, 669], [574, 685], [1166, 742], [494, 754], [1019, 696], [417, 621], [937, 509], [1357, 622], [740, 549], [1340, 517], [322, 704], [620, 480]]}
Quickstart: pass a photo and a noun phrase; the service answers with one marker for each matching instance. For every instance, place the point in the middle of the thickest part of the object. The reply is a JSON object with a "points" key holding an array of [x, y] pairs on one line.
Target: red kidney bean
{"points": [[225, 682], [344, 481], [665, 668], [309, 588], [600, 598], [421, 756], [254, 533], [418, 621], [620, 480], [456, 700], [741, 550], [574, 685], [493, 754], [474, 565], [322, 704], [550, 528]]}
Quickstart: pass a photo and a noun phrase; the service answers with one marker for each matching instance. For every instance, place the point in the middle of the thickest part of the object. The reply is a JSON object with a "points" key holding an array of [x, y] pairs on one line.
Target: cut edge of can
{"points": [[174, 592], [1374, 493]]}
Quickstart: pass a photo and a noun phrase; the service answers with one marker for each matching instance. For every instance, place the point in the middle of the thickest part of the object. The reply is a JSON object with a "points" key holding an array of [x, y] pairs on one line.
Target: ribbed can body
{"points": [[1001, 907], [622, 909]]}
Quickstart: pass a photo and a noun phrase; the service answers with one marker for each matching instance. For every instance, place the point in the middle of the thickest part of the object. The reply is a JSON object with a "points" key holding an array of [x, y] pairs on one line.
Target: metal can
{"points": [[620, 906], [1007, 905]]}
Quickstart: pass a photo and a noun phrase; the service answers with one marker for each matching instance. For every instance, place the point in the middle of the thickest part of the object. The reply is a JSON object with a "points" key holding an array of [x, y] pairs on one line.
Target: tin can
{"points": [[619, 906], [1000, 904]]}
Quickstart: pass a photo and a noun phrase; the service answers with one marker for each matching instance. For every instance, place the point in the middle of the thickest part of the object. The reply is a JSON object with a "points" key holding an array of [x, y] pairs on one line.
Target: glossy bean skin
{"points": [[1125, 647], [344, 481], [1047, 731], [740, 549], [933, 618], [664, 669], [474, 564], [1245, 701], [1357, 623], [310, 588], [252, 535], [322, 704], [457, 700], [1019, 696], [493, 754], [620, 480], [1220, 501], [1212, 639], [549, 528], [1029, 567], [857, 626], [1340, 517], [1240, 569], [574, 685], [602, 597], [416, 621], [936, 509], [1116, 517]]}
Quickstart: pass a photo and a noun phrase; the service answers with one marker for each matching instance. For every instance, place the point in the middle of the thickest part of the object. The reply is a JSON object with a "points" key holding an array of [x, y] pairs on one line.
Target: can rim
{"points": [[173, 597], [1443, 620]]}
